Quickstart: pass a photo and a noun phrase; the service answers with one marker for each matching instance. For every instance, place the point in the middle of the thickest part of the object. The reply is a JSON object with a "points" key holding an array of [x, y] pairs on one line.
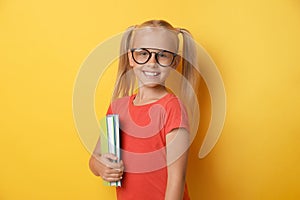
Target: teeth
{"points": [[151, 73]]}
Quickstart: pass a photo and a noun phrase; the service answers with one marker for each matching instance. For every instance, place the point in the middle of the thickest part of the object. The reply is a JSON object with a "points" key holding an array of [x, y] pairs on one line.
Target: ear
{"points": [[130, 59]]}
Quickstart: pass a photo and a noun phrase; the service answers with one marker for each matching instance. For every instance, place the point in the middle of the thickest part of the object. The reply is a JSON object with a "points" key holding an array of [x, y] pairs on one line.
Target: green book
{"points": [[110, 139]]}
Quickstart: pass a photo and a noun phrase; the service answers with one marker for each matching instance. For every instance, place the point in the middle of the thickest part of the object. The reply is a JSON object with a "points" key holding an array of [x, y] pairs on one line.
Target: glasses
{"points": [[163, 57]]}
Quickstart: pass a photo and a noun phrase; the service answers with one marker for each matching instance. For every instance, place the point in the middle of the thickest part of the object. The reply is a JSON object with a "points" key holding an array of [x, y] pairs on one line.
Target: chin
{"points": [[152, 85]]}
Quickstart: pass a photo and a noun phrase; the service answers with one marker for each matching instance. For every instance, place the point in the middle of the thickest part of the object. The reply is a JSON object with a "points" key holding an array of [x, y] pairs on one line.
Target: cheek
{"points": [[166, 73], [136, 70]]}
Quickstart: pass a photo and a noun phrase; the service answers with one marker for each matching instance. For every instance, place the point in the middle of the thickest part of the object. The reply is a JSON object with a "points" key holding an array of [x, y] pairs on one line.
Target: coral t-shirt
{"points": [[143, 143]]}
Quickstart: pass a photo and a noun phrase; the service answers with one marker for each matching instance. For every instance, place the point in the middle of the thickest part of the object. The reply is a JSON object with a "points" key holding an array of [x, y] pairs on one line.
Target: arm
{"points": [[103, 165], [177, 156]]}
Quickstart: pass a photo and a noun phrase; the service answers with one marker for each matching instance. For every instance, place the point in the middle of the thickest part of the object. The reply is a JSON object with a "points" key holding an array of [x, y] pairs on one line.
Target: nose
{"points": [[152, 59]]}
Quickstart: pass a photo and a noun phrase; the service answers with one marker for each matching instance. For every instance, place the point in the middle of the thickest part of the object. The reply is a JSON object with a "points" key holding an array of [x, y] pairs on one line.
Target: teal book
{"points": [[110, 139]]}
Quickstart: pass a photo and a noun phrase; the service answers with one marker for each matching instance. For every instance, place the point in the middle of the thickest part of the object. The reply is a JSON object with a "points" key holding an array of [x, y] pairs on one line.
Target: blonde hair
{"points": [[125, 84]]}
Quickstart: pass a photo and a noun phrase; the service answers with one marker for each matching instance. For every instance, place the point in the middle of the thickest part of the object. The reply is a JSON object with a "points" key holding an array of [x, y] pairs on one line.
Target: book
{"points": [[110, 139]]}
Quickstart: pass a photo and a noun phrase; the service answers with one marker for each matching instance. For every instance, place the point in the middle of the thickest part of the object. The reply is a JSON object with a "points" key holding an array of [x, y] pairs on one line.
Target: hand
{"points": [[107, 167]]}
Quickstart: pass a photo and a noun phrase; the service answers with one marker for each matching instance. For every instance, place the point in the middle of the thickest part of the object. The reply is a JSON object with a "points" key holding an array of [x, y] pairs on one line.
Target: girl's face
{"points": [[160, 45]]}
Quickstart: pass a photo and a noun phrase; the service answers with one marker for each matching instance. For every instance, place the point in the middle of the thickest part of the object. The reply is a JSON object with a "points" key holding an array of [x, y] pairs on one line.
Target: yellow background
{"points": [[254, 43]]}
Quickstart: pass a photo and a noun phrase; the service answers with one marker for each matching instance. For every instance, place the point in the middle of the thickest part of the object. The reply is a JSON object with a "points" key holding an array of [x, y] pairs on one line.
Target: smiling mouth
{"points": [[151, 74]]}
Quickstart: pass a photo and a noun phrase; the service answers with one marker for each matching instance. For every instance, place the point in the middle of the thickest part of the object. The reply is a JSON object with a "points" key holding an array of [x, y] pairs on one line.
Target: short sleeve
{"points": [[176, 116], [109, 110]]}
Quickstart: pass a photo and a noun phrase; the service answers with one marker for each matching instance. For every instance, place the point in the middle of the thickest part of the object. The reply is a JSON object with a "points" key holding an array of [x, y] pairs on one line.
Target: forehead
{"points": [[155, 37]]}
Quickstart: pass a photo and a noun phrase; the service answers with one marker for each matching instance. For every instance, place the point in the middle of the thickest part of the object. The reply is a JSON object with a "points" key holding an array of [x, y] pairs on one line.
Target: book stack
{"points": [[110, 139]]}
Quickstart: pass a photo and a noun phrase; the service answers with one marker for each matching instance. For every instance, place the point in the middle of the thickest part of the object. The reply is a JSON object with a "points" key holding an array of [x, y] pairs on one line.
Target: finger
{"points": [[117, 176], [114, 166], [110, 156], [110, 177], [119, 166], [108, 162], [113, 172], [118, 170], [122, 167], [111, 161]]}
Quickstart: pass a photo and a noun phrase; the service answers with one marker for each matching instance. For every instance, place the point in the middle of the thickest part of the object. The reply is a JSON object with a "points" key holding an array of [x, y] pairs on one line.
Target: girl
{"points": [[153, 121]]}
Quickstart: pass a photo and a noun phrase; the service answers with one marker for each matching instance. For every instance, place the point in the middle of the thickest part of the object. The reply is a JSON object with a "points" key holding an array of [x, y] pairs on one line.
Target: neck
{"points": [[149, 94]]}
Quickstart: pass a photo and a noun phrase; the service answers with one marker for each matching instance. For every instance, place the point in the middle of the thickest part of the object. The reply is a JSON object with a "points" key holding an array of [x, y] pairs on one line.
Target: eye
{"points": [[141, 53], [164, 54]]}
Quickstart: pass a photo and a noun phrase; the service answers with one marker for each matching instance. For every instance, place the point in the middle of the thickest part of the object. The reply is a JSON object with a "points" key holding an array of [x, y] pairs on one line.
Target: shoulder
{"points": [[172, 101], [120, 103], [176, 115]]}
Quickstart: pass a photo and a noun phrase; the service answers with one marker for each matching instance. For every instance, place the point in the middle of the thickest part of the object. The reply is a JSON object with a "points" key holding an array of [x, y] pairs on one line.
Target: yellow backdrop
{"points": [[254, 43]]}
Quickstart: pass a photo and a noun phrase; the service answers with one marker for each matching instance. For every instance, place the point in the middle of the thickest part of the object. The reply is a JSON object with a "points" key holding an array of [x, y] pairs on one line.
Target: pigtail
{"points": [[189, 68], [125, 78]]}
